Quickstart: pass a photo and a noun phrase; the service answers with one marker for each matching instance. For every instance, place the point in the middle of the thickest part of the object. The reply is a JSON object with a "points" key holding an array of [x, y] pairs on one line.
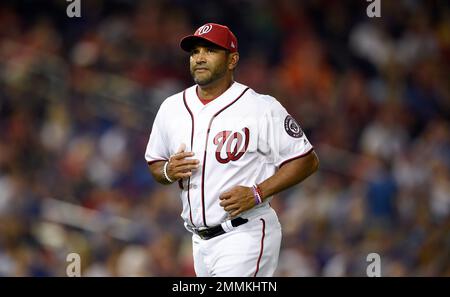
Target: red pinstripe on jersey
{"points": [[154, 161], [297, 157], [192, 143], [262, 245]]}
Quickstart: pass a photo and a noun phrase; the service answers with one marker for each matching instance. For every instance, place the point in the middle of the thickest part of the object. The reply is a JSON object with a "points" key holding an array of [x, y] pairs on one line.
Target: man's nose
{"points": [[200, 57]]}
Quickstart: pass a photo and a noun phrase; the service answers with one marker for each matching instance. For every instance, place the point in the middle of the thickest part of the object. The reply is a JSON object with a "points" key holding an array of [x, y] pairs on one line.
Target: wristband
{"points": [[166, 176], [259, 192], [256, 194]]}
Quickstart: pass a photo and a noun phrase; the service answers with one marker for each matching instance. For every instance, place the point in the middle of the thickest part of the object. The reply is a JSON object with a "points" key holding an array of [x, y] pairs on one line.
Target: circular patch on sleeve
{"points": [[292, 127]]}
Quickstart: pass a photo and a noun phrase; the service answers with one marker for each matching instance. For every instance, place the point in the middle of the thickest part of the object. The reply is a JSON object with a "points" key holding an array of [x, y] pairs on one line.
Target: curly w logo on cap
{"points": [[217, 34]]}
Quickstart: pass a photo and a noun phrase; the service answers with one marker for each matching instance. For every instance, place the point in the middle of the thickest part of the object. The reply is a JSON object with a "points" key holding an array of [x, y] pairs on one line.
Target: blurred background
{"points": [[78, 97]]}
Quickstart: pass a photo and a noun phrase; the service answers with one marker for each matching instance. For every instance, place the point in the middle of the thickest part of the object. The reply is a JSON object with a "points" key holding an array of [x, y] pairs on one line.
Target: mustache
{"points": [[200, 67]]}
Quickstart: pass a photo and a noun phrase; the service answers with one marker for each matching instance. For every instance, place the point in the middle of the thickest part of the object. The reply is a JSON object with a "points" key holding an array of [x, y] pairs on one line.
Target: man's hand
{"points": [[237, 200], [179, 166]]}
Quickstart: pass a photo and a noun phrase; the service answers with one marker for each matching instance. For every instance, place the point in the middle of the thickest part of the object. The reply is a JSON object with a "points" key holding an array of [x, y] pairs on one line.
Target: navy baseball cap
{"points": [[219, 35]]}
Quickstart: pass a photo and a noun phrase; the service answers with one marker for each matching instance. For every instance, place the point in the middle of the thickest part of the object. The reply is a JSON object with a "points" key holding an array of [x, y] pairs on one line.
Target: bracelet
{"points": [[257, 194], [258, 189], [165, 172]]}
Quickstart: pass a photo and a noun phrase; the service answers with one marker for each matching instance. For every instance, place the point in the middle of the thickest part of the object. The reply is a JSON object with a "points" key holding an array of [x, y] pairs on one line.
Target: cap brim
{"points": [[188, 42]]}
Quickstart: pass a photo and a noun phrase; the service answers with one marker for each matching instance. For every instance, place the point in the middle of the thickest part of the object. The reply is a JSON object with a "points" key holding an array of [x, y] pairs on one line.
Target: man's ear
{"points": [[233, 60]]}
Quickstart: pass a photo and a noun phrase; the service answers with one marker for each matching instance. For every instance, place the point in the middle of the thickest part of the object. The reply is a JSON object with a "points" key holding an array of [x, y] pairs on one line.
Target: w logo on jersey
{"points": [[235, 145]]}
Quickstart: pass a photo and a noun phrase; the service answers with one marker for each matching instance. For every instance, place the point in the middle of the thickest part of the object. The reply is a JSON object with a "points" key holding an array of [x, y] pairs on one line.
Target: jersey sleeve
{"points": [[157, 149], [281, 137]]}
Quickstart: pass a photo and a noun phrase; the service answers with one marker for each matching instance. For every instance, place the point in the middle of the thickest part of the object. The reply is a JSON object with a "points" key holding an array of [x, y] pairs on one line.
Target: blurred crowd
{"points": [[78, 97]]}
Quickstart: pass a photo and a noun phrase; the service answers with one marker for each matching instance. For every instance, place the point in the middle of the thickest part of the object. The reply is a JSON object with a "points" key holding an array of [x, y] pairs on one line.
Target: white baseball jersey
{"points": [[240, 138]]}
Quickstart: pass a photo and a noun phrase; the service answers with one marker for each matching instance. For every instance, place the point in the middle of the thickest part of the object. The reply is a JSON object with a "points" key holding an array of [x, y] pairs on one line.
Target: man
{"points": [[230, 149]]}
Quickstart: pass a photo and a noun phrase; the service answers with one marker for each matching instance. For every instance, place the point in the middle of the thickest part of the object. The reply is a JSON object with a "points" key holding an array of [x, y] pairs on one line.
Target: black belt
{"points": [[209, 233]]}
